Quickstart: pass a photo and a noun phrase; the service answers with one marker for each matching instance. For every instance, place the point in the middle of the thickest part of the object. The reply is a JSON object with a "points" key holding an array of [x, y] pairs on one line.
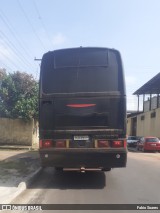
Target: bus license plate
{"points": [[81, 138]]}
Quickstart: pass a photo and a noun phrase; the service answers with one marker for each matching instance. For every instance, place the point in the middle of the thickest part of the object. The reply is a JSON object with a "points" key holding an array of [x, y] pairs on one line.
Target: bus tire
{"points": [[58, 169]]}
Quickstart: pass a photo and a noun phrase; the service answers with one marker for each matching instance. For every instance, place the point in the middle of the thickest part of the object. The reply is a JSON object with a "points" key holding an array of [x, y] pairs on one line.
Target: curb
{"points": [[30, 179], [24, 185], [27, 148]]}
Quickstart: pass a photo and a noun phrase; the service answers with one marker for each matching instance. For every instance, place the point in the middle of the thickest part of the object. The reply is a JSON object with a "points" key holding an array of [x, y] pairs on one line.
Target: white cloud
{"points": [[58, 39]]}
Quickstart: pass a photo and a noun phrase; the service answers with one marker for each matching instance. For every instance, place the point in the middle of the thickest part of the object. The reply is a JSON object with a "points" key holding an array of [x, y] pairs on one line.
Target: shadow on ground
{"points": [[51, 179], [17, 168]]}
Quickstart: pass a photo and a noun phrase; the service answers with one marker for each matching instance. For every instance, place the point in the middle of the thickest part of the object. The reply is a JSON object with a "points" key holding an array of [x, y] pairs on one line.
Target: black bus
{"points": [[82, 109]]}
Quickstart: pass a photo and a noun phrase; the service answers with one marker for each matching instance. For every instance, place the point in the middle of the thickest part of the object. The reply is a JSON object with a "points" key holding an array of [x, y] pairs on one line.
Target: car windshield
{"points": [[152, 140]]}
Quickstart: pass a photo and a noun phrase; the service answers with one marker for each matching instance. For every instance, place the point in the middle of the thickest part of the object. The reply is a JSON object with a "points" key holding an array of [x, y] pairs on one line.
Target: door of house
{"points": [[134, 126]]}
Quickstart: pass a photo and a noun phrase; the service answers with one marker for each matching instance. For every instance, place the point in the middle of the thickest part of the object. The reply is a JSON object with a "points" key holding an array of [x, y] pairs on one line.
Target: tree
{"points": [[18, 95]]}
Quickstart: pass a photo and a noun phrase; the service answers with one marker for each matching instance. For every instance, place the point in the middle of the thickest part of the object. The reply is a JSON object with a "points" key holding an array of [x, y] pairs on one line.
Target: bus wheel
{"points": [[58, 169]]}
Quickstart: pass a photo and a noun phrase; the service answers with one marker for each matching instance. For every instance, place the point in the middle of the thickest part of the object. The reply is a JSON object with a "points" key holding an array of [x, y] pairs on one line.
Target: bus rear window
{"points": [[81, 70], [80, 58]]}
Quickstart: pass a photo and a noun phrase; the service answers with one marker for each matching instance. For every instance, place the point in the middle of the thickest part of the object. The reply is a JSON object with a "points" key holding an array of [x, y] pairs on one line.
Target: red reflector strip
{"points": [[80, 105], [125, 143], [40, 144]]}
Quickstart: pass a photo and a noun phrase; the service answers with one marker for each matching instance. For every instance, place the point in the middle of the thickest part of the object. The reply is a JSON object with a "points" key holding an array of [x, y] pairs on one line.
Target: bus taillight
{"points": [[117, 144], [60, 144], [103, 143], [46, 143]]}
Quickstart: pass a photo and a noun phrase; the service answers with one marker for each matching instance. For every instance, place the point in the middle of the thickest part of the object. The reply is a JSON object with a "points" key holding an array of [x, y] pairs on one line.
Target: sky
{"points": [[29, 28]]}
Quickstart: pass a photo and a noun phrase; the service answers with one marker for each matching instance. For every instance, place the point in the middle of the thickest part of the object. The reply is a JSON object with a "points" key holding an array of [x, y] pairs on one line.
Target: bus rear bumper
{"points": [[78, 158]]}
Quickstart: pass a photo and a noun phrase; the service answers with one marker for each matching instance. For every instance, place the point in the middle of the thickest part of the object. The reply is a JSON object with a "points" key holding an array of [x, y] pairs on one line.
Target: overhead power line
{"points": [[5, 66], [41, 20], [9, 59], [29, 22], [15, 50], [6, 22], [24, 54]]}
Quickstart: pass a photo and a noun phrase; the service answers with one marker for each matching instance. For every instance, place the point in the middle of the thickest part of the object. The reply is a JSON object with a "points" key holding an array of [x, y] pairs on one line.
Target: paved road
{"points": [[138, 183]]}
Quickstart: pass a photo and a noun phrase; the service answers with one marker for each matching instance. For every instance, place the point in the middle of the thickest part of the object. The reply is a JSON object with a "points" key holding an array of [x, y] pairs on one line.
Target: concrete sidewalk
{"points": [[18, 168]]}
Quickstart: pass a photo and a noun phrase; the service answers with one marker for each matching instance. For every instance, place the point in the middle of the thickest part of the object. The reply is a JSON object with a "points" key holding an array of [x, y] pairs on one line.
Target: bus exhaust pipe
{"points": [[82, 169]]}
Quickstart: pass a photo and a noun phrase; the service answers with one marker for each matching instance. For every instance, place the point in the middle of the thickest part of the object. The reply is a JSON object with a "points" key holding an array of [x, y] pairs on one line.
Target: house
{"points": [[147, 121]]}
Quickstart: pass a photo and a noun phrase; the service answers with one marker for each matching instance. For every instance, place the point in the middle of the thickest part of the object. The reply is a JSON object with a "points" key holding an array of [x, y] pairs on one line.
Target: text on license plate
{"points": [[77, 138]]}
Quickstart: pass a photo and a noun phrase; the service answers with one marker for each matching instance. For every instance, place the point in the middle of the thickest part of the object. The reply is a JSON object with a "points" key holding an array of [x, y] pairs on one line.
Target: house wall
{"points": [[18, 132], [129, 126], [148, 123]]}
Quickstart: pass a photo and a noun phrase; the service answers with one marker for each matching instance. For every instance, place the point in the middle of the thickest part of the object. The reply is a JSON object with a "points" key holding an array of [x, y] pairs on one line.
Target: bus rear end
{"points": [[82, 110]]}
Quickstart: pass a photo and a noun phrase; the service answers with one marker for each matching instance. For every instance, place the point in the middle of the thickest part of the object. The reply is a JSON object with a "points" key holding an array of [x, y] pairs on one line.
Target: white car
{"points": [[132, 141]]}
